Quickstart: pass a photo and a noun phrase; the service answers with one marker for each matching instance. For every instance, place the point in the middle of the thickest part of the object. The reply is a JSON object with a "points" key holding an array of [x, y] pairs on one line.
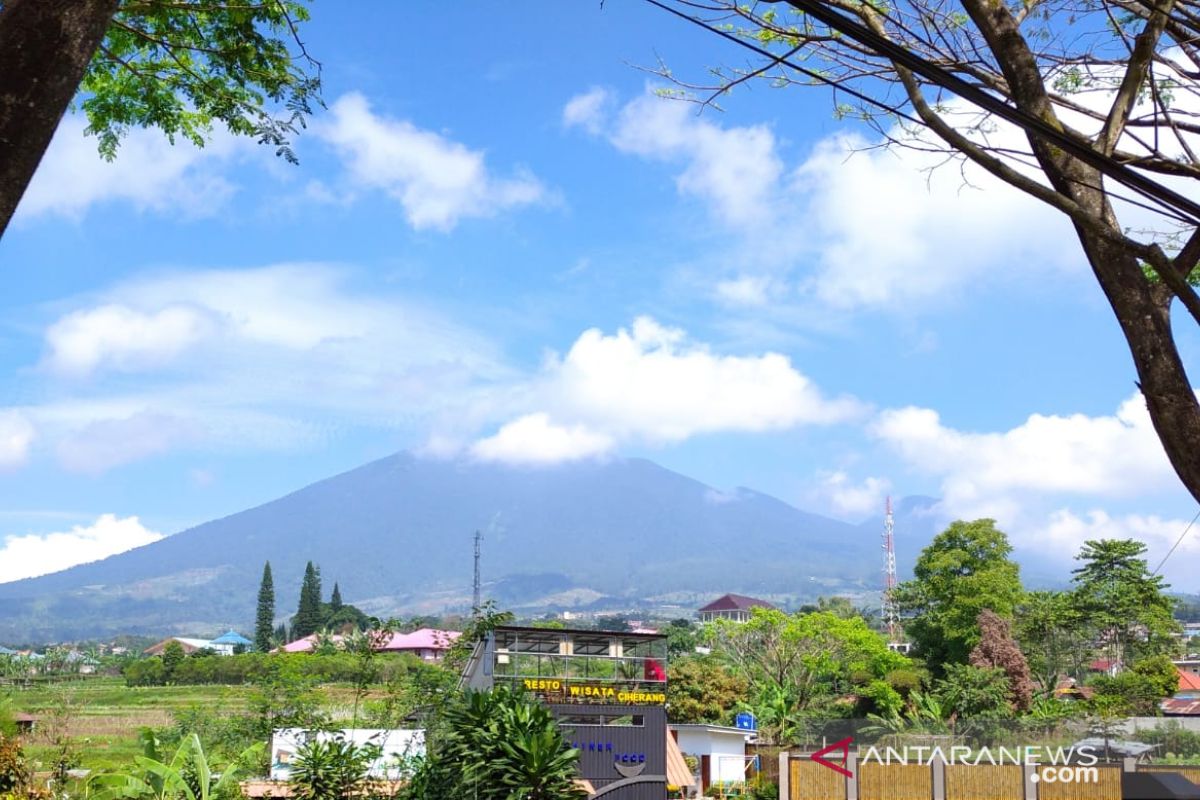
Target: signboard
{"points": [[746, 721], [561, 691]]}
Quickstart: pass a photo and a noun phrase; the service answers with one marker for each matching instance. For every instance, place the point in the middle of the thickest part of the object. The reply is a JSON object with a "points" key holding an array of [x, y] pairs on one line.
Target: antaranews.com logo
{"points": [[1052, 764]]}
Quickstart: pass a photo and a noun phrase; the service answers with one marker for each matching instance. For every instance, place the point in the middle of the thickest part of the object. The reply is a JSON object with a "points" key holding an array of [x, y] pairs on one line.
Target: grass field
{"points": [[102, 716]]}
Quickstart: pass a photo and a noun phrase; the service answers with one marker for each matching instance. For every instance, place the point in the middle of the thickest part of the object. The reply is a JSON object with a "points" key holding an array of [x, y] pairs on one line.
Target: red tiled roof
{"points": [[1188, 682], [1172, 707], [736, 602], [1101, 665]]}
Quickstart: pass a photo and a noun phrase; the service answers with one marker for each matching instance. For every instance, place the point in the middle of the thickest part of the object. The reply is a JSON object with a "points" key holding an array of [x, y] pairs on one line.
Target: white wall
{"points": [[396, 744], [726, 752]]}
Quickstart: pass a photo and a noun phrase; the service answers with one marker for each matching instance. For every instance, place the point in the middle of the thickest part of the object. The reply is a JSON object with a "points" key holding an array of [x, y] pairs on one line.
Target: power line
{"points": [[1170, 202], [1178, 542]]}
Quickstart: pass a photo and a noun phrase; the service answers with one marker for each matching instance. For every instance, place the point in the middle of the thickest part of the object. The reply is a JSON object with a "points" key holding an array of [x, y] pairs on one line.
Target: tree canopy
{"points": [[1095, 124], [964, 570], [186, 68]]}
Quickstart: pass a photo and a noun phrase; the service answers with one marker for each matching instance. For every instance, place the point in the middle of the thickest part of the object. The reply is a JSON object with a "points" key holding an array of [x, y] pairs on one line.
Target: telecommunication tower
{"points": [[891, 617], [476, 598]]}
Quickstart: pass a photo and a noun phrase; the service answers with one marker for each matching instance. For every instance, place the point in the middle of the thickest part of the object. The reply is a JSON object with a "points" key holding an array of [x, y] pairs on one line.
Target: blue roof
{"points": [[231, 637]]}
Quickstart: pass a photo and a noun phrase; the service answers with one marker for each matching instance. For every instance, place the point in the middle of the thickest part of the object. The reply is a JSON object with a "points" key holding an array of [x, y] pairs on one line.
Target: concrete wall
{"points": [[726, 752]]}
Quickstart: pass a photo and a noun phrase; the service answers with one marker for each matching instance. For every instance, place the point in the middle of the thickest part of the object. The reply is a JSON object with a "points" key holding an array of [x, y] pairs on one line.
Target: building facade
{"points": [[736, 607], [607, 691]]}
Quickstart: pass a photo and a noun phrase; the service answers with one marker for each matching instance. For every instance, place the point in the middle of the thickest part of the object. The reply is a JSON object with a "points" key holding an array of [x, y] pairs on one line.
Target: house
{"points": [[1189, 685], [427, 644], [719, 749], [233, 640], [25, 722], [189, 645], [736, 607], [308, 643]]}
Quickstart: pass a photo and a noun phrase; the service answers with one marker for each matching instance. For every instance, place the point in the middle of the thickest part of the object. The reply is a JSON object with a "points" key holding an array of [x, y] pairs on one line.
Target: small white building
{"points": [[720, 751], [396, 745]]}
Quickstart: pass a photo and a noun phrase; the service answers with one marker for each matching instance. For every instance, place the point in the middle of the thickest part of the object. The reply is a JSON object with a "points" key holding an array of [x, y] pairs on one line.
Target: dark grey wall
{"points": [[603, 746]]}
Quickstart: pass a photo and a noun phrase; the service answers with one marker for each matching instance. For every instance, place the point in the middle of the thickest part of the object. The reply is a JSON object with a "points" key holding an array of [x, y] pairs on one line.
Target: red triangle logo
{"points": [[844, 747]]}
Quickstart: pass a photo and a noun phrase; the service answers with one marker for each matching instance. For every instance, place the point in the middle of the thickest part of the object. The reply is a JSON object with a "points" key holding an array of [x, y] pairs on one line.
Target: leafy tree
{"points": [[1127, 605], [1113, 98], [1053, 637], [308, 611], [172, 657], [794, 663], [1136, 691], [964, 570], [701, 689], [997, 648], [970, 691], [179, 67], [265, 616], [682, 637]]}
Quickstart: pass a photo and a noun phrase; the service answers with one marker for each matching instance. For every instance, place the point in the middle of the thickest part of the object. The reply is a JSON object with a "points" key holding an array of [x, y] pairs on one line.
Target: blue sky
{"points": [[500, 243]]}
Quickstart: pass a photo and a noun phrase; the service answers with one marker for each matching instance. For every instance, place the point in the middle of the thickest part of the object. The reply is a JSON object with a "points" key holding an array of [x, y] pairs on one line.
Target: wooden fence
{"points": [[801, 778]]}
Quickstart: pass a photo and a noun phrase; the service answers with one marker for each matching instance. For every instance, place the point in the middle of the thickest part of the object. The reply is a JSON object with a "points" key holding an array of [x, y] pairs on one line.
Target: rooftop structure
{"points": [[736, 607]]}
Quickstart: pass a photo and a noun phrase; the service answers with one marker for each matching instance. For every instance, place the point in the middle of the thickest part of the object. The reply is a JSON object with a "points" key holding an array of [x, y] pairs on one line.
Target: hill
{"points": [[397, 535]]}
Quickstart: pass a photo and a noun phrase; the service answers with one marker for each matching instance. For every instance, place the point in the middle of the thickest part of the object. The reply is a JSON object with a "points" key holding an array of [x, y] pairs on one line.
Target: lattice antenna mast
{"points": [[477, 598], [891, 616]]}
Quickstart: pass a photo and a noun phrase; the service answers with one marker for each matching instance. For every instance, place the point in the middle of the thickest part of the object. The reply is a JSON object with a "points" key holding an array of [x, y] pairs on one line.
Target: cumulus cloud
{"points": [[27, 556], [149, 172], [1117, 455], [437, 181], [16, 435], [849, 225], [651, 383], [853, 499], [534, 439], [588, 110], [122, 338]]}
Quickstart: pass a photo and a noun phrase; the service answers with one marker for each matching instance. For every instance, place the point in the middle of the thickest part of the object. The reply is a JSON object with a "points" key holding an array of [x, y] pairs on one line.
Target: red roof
{"points": [[736, 602], [1173, 707], [1101, 665], [1188, 682]]}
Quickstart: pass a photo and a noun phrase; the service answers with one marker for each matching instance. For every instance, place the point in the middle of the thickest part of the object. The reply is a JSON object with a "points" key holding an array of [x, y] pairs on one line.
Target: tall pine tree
{"points": [[308, 613], [335, 599], [265, 619]]}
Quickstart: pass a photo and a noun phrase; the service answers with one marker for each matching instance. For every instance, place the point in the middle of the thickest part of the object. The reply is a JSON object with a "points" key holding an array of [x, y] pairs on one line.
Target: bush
{"points": [[252, 667]]}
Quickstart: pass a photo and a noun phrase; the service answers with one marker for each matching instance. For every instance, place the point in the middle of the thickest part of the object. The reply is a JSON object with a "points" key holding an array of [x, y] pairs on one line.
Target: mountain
{"points": [[397, 535]]}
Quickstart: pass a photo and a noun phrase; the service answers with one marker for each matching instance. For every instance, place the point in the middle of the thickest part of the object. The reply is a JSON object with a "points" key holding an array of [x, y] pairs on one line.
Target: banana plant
{"points": [[186, 776]]}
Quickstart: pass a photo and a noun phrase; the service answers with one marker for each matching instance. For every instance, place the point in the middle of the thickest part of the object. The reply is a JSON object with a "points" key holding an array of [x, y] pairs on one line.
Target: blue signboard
{"points": [[746, 721]]}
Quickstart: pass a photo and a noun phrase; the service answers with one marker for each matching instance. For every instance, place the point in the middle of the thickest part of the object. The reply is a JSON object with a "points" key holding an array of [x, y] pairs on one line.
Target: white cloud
{"points": [[651, 384], [735, 170], [149, 172], [16, 435], [534, 439], [122, 338], [747, 290], [246, 359], [38, 554], [588, 110], [1065, 531], [851, 225], [854, 499], [1116, 455], [436, 181]]}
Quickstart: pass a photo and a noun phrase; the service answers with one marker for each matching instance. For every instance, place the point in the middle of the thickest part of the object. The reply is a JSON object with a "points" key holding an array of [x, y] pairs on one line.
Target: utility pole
{"points": [[477, 600]]}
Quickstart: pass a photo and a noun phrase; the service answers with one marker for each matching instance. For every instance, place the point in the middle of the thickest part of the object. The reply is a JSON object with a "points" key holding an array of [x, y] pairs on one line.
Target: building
{"points": [[427, 644], [234, 640], [719, 750], [736, 607], [189, 645], [223, 645], [608, 692]]}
